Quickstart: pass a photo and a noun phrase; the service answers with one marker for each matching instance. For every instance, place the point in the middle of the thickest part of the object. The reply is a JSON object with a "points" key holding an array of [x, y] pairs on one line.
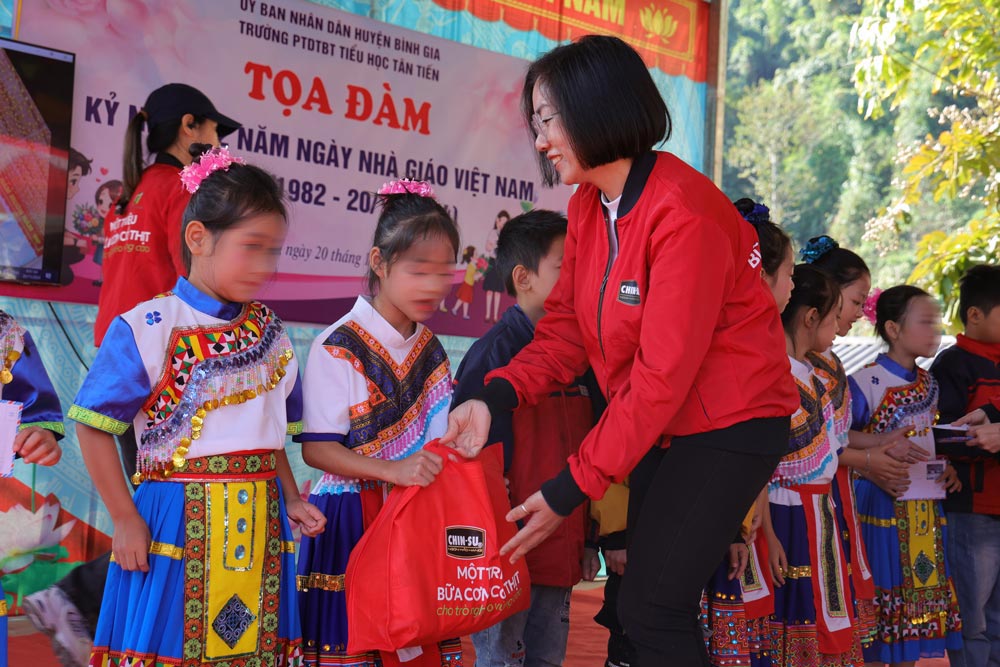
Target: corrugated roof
{"points": [[856, 352]]}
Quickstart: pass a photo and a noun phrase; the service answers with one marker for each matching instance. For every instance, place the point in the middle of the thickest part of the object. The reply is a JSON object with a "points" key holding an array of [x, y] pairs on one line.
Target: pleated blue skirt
{"points": [[171, 614], [916, 607], [794, 634], [322, 564]]}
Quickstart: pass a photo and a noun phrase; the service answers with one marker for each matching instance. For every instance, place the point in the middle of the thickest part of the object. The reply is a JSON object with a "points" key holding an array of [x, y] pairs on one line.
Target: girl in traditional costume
{"points": [[377, 389], [203, 565], [814, 619], [853, 276], [917, 611], [23, 380], [738, 604]]}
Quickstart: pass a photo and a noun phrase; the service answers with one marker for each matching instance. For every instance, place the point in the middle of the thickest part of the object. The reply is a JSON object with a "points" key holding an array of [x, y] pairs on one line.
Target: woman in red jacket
{"points": [[142, 237], [661, 294]]}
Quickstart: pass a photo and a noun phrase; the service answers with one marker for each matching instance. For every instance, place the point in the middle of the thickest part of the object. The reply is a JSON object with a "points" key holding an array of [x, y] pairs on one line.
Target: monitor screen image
{"points": [[36, 104]]}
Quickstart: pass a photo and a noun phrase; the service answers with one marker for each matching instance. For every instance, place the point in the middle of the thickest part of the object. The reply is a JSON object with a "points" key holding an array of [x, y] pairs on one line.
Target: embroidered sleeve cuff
{"points": [[499, 396], [97, 420], [294, 428], [321, 437], [56, 427], [562, 493]]}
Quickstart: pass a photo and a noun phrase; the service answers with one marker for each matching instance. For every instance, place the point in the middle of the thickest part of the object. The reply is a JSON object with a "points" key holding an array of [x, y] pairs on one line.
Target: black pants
{"points": [[621, 653], [685, 505], [84, 585]]}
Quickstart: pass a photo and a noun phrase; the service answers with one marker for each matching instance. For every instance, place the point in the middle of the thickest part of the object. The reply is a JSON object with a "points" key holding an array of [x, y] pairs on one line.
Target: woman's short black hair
{"points": [[225, 197], [813, 289], [404, 219], [606, 101], [892, 304], [774, 242]]}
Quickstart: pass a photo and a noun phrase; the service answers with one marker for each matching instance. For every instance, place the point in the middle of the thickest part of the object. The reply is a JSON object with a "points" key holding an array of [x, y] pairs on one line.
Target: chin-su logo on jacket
{"points": [[628, 293], [465, 542]]}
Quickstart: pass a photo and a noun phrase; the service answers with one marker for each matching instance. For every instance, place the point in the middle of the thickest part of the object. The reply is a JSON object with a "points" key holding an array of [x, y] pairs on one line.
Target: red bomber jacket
{"points": [[142, 247], [680, 329]]}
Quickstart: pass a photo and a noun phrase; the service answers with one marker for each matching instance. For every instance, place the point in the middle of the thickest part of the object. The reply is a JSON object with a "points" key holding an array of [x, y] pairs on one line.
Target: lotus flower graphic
{"points": [[658, 22], [26, 535]]}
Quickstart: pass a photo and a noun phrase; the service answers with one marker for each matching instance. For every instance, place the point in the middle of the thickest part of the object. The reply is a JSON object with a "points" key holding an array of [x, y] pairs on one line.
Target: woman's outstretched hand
{"points": [[468, 428], [540, 521]]}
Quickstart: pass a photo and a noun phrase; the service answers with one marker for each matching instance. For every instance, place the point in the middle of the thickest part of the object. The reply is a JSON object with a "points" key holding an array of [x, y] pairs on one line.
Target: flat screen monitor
{"points": [[36, 111]]}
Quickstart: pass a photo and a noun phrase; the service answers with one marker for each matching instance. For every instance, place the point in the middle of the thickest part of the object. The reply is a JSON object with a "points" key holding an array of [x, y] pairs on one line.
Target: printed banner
{"points": [[670, 34], [332, 103]]}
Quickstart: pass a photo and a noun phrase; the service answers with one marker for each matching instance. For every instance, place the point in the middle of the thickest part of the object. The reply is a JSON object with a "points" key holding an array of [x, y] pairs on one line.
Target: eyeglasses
{"points": [[540, 124]]}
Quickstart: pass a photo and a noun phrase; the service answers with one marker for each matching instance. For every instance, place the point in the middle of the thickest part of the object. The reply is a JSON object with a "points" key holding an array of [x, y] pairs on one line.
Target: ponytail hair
{"points": [[813, 289], [132, 162], [227, 196], [845, 266], [774, 242], [160, 138], [404, 219], [892, 304]]}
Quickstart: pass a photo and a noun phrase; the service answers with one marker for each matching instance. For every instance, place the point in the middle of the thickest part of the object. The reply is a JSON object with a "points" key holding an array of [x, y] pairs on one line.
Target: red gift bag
{"points": [[429, 567]]}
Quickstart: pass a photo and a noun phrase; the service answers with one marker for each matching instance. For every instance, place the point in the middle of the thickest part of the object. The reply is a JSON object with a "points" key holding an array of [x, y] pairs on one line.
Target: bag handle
{"points": [[435, 447]]}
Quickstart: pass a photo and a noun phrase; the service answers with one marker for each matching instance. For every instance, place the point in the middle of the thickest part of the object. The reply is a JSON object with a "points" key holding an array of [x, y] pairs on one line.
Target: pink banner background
{"points": [[333, 103]]}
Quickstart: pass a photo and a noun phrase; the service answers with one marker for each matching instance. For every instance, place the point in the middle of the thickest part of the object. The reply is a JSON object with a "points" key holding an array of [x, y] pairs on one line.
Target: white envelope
{"points": [[10, 421], [924, 483]]}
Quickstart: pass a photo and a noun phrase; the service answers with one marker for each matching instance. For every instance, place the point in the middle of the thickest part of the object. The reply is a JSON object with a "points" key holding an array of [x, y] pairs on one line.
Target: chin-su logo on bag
{"points": [[465, 542]]}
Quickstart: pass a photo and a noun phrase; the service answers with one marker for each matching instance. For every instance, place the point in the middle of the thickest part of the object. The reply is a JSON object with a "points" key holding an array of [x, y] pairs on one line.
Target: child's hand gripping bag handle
{"points": [[429, 567]]}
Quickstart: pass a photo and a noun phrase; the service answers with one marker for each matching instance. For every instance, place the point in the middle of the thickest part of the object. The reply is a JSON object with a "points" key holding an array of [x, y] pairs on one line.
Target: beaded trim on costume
{"points": [[214, 383], [809, 442], [900, 402], [403, 398], [325, 582], [441, 397], [11, 343]]}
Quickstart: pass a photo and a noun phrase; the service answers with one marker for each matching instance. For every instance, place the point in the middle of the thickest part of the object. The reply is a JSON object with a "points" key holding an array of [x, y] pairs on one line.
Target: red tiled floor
{"points": [[587, 640]]}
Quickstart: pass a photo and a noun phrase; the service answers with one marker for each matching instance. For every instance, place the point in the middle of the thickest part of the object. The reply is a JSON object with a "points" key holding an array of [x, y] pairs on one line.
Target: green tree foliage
{"points": [[795, 138], [951, 48], [944, 258]]}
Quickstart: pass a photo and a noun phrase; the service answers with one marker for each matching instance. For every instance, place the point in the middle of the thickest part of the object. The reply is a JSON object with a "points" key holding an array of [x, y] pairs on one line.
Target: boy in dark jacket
{"points": [[968, 375], [529, 255]]}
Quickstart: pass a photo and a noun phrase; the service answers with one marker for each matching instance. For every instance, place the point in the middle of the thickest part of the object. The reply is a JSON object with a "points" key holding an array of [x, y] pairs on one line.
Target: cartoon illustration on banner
{"points": [[332, 104]]}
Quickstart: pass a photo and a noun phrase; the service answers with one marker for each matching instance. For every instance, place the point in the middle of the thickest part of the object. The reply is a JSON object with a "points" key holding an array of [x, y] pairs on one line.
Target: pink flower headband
{"points": [[406, 186], [212, 160], [870, 303]]}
